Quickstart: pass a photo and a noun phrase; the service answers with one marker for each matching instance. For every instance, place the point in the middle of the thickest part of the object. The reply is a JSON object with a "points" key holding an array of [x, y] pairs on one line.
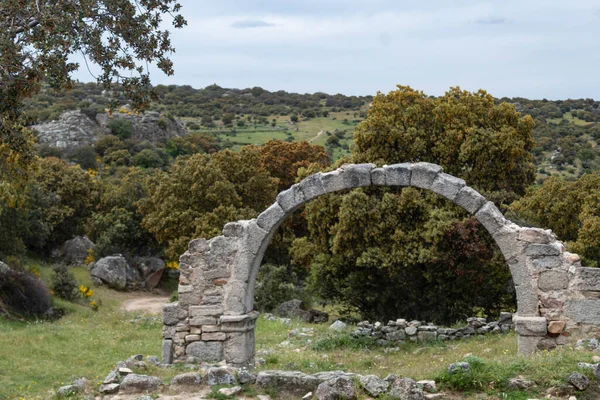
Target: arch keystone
{"points": [[271, 217], [398, 174]]}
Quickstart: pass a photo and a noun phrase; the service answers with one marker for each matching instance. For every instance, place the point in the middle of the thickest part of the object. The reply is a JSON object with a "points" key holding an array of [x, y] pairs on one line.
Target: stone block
{"points": [[491, 217], [235, 295], [254, 236], [527, 300], [173, 313], [585, 311], [426, 336], [167, 351], [506, 239], [553, 280], [200, 321], [556, 327], [546, 262], [205, 351], [168, 331], [185, 289], [348, 176], [528, 344], [311, 187], [535, 250], [220, 272], [423, 174], [470, 199], [291, 199], [397, 174], [535, 235], [198, 246], [378, 176], [203, 311], [210, 328], [447, 186], [239, 349], [530, 326], [213, 336], [271, 217], [192, 338], [587, 279], [234, 229]]}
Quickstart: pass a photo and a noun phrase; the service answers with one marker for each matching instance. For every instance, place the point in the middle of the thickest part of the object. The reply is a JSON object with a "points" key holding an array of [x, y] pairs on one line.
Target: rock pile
{"points": [[400, 330]]}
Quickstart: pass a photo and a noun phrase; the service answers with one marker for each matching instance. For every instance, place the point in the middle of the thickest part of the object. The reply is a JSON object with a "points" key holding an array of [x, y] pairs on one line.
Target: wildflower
{"points": [[173, 265]]}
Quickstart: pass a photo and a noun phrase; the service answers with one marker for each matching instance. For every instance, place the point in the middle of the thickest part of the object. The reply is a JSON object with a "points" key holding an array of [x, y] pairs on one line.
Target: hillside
{"points": [[567, 132]]}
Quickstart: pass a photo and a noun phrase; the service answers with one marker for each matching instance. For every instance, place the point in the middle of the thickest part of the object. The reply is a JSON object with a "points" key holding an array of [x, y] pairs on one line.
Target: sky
{"points": [[514, 48]]}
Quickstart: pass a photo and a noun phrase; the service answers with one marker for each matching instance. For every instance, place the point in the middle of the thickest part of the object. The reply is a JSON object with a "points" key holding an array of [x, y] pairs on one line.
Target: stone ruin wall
{"points": [[214, 318]]}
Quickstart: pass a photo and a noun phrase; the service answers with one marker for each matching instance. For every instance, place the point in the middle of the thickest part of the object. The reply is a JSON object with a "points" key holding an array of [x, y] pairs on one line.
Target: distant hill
{"points": [[567, 132]]}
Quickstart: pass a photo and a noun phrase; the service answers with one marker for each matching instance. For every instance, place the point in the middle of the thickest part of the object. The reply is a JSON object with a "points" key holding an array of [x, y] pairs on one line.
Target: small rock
{"points": [[109, 388], [307, 396], [232, 391], [134, 383], [560, 391], [391, 377], [124, 371], [66, 391], [596, 359], [459, 367], [428, 386], [187, 379], [244, 376], [336, 389], [112, 377], [579, 381], [406, 389], [338, 326], [219, 376], [520, 383], [374, 385]]}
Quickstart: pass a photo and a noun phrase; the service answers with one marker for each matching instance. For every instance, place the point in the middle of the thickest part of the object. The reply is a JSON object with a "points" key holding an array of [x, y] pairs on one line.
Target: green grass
{"points": [[569, 118], [39, 357]]}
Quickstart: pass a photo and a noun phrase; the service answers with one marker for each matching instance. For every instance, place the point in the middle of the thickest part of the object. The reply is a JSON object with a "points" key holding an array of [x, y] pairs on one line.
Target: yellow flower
{"points": [[172, 265]]}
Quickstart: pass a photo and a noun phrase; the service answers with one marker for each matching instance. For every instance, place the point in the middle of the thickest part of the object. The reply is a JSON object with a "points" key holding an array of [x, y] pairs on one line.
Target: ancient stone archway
{"points": [[214, 318]]}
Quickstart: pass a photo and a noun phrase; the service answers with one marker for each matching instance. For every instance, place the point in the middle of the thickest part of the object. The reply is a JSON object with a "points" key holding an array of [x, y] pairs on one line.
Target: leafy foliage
{"points": [[276, 284], [63, 283], [23, 294]]}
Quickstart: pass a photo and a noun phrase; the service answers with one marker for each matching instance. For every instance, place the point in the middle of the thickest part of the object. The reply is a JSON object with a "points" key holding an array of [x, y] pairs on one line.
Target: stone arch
{"points": [[214, 318]]}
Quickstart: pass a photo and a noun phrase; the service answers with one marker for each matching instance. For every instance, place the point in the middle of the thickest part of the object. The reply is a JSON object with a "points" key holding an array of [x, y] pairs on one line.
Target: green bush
{"points": [[63, 283], [121, 128], [148, 158], [23, 294], [275, 285]]}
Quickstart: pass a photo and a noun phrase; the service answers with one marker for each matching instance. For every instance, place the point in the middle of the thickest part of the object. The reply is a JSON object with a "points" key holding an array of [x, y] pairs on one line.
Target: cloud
{"points": [[251, 23], [491, 20]]}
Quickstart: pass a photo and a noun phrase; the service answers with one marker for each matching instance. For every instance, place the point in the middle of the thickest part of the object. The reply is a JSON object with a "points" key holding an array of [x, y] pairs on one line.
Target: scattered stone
{"points": [[124, 371], [520, 383], [579, 381], [244, 376], [292, 382], [111, 271], [560, 391], [406, 389], [151, 269], [110, 388], [336, 389], [307, 396], [232, 391], [75, 251], [219, 376], [112, 377], [374, 385], [67, 391], [134, 383], [459, 367], [390, 378], [338, 326], [187, 379], [428, 386]]}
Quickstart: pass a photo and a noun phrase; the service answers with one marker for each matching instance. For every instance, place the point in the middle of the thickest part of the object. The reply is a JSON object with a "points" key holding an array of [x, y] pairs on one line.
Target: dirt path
{"points": [[147, 303], [316, 137]]}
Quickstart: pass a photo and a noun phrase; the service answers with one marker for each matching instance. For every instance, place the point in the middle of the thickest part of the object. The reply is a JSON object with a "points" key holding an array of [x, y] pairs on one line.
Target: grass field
{"points": [[38, 357]]}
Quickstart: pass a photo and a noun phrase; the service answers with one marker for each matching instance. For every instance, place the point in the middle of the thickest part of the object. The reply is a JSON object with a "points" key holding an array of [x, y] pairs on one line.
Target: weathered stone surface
{"points": [[167, 351], [583, 310], [406, 389], [425, 336], [378, 177], [336, 389], [109, 388], [205, 351], [198, 246], [530, 326], [528, 344], [588, 279], [239, 348], [397, 174], [199, 321], [520, 383], [470, 199], [75, 251], [311, 187], [293, 382], [348, 176], [338, 326], [112, 377], [547, 262], [290, 308], [271, 217], [541, 250], [134, 383], [231, 391], [111, 271], [556, 326], [289, 200], [67, 391], [253, 236], [245, 377], [579, 381], [219, 376], [214, 336], [373, 385], [204, 311], [553, 280], [423, 174], [447, 186], [506, 239], [535, 235], [151, 270], [187, 379], [458, 367], [490, 217], [428, 386]]}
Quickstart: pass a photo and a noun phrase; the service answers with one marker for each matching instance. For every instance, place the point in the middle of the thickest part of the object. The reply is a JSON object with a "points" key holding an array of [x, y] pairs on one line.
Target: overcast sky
{"points": [[511, 48]]}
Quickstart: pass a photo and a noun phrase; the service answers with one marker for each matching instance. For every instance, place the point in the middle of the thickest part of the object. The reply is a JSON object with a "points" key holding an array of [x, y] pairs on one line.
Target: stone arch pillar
{"points": [[214, 318]]}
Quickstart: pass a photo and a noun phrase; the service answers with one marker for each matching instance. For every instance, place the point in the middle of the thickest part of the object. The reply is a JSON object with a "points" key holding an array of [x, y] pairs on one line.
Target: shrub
{"points": [[23, 294], [121, 128], [275, 284], [63, 283], [148, 158]]}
